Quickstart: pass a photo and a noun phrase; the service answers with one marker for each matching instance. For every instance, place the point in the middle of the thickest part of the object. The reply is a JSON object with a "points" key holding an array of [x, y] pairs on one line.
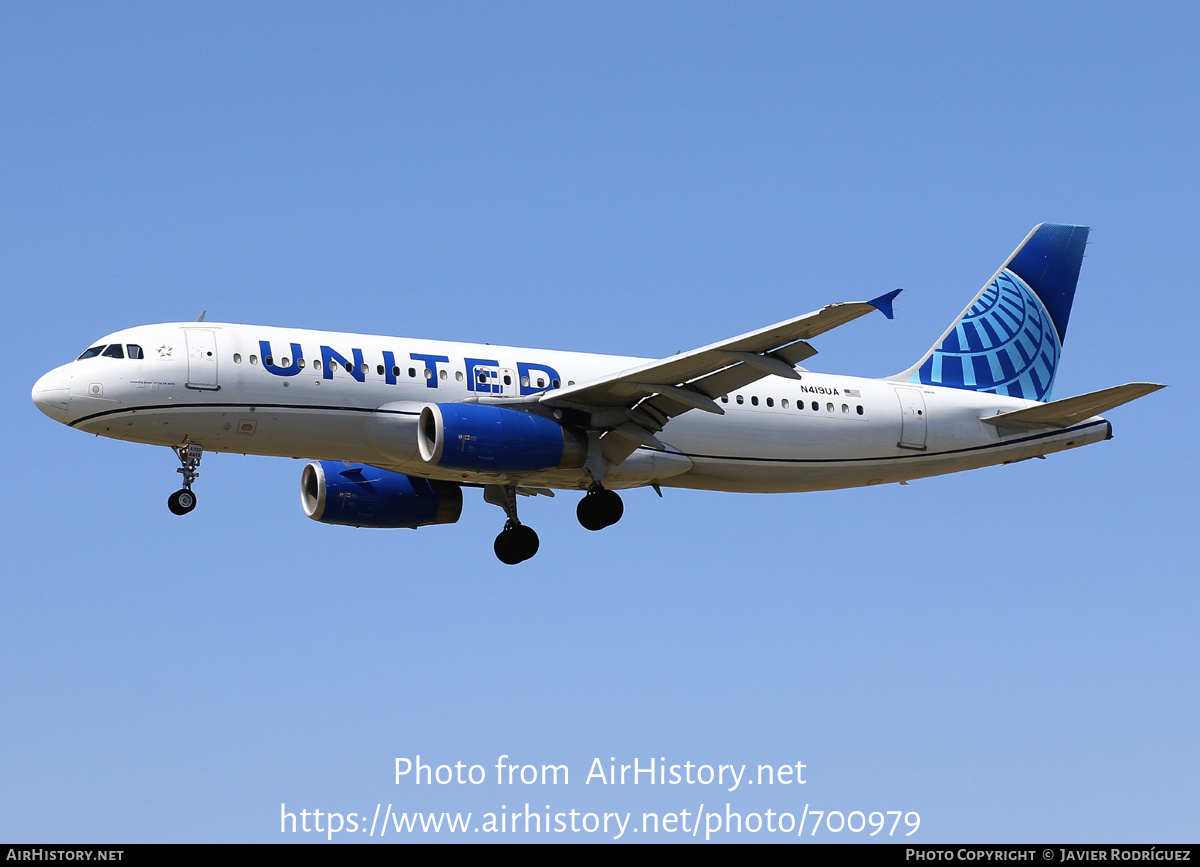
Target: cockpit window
{"points": [[91, 353], [134, 350], [114, 351]]}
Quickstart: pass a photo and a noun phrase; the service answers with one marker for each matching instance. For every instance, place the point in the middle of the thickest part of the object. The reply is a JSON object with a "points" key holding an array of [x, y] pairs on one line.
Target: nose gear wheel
{"points": [[181, 502]]}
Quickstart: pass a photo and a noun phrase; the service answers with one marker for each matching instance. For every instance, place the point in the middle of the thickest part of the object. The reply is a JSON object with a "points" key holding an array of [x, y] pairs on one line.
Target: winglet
{"points": [[884, 303]]}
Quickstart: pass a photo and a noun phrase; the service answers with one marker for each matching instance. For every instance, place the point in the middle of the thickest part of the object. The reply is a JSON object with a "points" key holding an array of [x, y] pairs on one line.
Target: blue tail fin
{"points": [[1010, 337]]}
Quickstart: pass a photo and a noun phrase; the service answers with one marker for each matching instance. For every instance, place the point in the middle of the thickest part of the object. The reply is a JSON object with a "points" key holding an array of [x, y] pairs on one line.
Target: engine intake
{"points": [[493, 439], [365, 496]]}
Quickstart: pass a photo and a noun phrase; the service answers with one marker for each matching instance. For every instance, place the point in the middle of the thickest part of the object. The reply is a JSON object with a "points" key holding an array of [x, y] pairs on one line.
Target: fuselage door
{"points": [[914, 424], [497, 381], [202, 358]]}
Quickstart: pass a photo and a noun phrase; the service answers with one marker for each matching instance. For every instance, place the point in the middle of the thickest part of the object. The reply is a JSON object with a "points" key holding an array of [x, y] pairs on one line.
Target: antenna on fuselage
{"points": [[203, 313]]}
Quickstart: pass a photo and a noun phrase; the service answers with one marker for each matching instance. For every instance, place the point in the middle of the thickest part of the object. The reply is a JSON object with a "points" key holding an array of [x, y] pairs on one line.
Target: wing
{"points": [[633, 405]]}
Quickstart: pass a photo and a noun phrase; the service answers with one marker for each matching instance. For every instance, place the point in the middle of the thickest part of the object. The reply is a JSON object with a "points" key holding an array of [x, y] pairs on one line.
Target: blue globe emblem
{"points": [[1004, 344]]}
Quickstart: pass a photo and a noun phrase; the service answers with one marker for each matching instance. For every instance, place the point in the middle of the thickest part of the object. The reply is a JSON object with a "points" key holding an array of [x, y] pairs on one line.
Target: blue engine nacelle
{"points": [[491, 439], [361, 496]]}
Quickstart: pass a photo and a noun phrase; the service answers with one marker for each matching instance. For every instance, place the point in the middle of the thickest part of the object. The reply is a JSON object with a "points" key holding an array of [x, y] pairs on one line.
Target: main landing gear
{"points": [[516, 542], [183, 501], [599, 508]]}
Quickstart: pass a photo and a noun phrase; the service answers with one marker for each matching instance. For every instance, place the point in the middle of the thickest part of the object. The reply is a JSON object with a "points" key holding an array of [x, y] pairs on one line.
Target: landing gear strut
{"points": [[183, 501], [599, 508], [516, 542]]}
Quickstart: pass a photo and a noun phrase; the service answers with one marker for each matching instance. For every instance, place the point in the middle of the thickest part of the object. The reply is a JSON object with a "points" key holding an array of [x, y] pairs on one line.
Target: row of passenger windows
{"points": [[800, 405], [113, 350], [539, 382], [132, 350]]}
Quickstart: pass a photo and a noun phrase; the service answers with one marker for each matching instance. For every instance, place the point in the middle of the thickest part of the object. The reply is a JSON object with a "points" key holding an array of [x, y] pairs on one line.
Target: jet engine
{"points": [[363, 496], [492, 439]]}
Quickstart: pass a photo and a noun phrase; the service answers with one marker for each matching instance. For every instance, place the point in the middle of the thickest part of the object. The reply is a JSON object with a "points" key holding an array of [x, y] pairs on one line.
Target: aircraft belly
{"points": [[274, 431]]}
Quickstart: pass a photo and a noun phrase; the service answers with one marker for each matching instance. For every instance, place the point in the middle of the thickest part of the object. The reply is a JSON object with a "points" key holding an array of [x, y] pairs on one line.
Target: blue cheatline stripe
{"points": [[905, 456], [261, 406]]}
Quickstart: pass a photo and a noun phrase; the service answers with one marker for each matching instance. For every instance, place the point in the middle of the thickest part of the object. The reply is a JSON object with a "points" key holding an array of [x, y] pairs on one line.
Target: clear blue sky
{"points": [[1010, 652]]}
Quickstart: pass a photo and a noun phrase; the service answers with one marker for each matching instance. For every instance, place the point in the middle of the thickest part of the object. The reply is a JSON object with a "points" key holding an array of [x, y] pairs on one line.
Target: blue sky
{"points": [[1011, 652]]}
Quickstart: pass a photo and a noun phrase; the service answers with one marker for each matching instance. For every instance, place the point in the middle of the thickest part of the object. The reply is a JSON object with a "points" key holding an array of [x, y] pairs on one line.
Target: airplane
{"points": [[395, 428]]}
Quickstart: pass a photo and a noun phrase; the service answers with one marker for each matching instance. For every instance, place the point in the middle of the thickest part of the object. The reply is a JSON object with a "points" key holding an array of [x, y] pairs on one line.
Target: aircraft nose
{"points": [[52, 393]]}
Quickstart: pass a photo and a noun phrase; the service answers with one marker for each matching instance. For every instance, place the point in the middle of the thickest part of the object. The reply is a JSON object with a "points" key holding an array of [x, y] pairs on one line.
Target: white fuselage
{"points": [[244, 389]]}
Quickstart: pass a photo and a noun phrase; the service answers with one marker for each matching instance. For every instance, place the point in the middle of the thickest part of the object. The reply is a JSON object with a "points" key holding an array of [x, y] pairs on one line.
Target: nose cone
{"points": [[52, 393]]}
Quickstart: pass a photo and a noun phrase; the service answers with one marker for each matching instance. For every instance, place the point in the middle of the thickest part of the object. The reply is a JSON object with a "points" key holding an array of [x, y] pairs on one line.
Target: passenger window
{"points": [[412, 373], [541, 382], [134, 350], [816, 406], [268, 360], [754, 400], [554, 383], [396, 370], [254, 359], [740, 399], [507, 379], [365, 367], [237, 358], [770, 401], [316, 364], [829, 407], [724, 398], [287, 362], [458, 375], [845, 409], [860, 411], [379, 370], [91, 353], [349, 367], [784, 403], [300, 363], [114, 351]]}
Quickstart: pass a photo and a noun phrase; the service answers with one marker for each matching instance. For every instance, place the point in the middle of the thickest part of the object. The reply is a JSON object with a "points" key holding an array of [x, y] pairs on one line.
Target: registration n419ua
{"points": [[396, 427]]}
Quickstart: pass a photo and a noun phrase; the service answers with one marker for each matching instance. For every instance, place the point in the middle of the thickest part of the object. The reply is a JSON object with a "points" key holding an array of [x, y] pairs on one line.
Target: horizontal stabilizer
{"points": [[1072, 410]]}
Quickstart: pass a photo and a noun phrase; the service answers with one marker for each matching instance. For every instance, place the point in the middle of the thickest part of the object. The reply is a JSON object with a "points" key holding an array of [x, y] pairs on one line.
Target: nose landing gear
{"points": [[183, 501], [599, 508]]}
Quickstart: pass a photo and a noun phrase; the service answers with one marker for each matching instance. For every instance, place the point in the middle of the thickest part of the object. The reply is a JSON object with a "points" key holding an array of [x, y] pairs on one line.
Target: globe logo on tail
{"points": [[1004, 344]]}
